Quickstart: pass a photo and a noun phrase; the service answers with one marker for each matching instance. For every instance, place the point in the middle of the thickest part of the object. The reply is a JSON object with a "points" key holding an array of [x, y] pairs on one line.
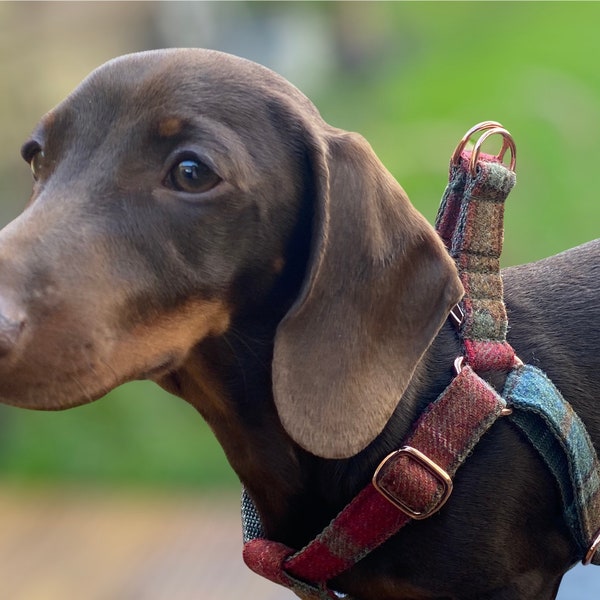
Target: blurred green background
{"points": [[411, 77]]}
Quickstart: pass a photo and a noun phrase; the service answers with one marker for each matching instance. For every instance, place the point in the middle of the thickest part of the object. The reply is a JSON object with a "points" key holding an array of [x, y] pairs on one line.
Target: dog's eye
{"points": [[192, 176], [36, 163], [32, 152]]}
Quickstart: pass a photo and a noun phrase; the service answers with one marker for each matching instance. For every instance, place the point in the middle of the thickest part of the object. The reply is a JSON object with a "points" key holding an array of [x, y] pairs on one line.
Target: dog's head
{"points": [[168, 188]]}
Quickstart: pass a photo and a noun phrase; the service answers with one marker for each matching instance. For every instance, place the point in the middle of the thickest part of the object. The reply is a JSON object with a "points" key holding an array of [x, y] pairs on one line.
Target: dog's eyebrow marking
{"points": [[170, 126], [48, 119], [39, 134]]}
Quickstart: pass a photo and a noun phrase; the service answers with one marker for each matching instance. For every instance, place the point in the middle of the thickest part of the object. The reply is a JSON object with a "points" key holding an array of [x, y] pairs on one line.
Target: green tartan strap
{"points": [[568, 452]]}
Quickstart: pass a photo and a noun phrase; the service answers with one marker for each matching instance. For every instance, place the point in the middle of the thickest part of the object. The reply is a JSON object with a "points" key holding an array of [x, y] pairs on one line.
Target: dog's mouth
{"points": [[163, 368], [50, 386], [60, 368]]}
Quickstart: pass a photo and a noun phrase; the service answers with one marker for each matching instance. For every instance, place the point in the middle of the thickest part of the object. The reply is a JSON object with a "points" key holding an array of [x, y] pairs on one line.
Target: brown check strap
{"points": [[471, 224]]}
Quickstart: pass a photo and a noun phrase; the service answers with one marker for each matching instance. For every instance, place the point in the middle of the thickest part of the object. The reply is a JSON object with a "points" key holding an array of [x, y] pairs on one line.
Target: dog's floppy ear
{"points": [[379, 287]]}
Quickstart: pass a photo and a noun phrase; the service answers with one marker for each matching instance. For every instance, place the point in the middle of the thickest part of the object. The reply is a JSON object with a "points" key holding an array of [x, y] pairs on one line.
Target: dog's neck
{"points": [[296, 493]]}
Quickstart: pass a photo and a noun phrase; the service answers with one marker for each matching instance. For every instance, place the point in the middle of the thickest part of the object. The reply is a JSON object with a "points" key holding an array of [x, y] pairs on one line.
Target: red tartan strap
{"points": [[444, 435], [449, 210]]}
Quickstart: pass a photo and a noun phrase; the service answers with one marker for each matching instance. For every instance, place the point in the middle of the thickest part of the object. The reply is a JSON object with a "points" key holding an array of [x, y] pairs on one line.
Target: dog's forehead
{"points": [[192, 79]]}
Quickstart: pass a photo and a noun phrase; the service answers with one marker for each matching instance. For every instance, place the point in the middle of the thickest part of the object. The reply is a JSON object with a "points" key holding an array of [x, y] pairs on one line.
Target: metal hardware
{"points": [[592, 550], [430, 466], [458, 364], [507, 144], [483, 126], [457, 314]]}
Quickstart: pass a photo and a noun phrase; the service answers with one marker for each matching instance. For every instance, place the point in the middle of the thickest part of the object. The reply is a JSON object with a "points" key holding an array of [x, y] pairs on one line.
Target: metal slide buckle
{"points": [[431, 467]]}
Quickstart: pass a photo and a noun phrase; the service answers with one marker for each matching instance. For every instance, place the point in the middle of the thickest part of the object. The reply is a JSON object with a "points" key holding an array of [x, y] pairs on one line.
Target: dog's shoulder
{"points": [[553, 308], [571, 278]]}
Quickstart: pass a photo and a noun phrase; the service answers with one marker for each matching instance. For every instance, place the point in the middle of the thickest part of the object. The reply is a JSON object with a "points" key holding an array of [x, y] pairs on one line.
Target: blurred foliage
{"points": [[529, 65], [411, 77], [136, 435]]}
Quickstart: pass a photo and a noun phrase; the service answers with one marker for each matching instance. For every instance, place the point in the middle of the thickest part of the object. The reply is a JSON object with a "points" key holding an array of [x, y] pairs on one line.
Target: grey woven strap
{"points": [[251, 524]]}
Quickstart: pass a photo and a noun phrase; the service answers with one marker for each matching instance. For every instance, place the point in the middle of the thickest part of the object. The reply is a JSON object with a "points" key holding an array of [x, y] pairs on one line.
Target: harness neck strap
{"points": [[415, 481], [410, 484]]}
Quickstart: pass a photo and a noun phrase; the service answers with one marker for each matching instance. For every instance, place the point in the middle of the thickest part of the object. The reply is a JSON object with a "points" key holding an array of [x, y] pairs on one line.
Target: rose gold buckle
{"points": [[593, 548], [508, 143], [431, 467]]}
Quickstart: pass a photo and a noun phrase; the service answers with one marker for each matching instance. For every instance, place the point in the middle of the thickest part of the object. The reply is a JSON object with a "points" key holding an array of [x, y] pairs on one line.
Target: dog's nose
{"points": [[12, 323]]}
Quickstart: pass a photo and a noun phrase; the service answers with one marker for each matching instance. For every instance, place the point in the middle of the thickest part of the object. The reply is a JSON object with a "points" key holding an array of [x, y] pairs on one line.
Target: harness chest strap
{"points": [[411, 483], [415, 481]]}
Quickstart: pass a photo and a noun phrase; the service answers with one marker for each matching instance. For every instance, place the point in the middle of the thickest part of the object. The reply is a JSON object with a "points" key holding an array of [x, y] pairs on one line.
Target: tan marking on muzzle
{"points": [[172, 335]]}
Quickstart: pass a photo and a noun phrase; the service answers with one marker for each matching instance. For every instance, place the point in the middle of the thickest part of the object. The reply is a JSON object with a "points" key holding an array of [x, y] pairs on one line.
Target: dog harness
{"points": [[415, 481]]}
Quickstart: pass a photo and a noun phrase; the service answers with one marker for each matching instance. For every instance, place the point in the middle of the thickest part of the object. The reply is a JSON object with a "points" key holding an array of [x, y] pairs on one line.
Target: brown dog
{"points": [[195, 222]]}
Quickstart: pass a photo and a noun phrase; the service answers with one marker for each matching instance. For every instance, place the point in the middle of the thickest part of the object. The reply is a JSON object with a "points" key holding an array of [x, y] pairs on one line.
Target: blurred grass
{"points": [[137, 435], [438, 69]]}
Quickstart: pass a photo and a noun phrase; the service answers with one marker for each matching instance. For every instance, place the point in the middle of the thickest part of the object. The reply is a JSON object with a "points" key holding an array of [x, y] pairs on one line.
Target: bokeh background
{"points": [[410, 76]]}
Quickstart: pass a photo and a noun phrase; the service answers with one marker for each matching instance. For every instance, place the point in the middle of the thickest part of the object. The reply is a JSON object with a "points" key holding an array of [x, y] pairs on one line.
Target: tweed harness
{"points": [[415, 481]]}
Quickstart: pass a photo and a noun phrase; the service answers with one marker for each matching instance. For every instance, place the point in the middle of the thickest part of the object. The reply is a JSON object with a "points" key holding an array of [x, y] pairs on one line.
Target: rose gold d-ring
{"points": [[483, 126], [507, 144]]}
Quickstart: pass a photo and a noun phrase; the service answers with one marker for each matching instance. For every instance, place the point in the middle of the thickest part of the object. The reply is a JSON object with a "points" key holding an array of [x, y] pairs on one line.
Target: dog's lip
{"points": [[163, 367]]}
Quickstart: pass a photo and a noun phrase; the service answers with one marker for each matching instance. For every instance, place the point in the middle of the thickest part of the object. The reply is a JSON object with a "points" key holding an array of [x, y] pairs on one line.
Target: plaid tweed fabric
{"points": [[447, 216], [560, 437], [471, 224], [446, 433]]}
